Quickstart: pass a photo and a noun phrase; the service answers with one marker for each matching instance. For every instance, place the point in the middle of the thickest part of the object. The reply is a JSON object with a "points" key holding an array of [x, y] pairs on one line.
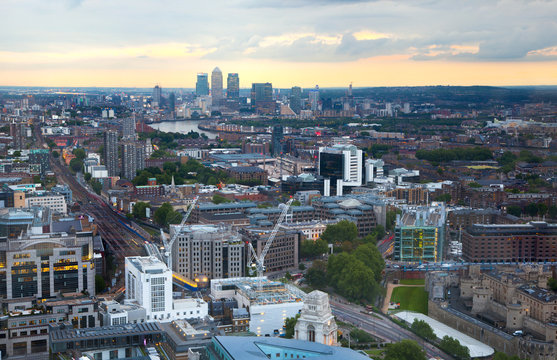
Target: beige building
{"points": [[316, 322]]}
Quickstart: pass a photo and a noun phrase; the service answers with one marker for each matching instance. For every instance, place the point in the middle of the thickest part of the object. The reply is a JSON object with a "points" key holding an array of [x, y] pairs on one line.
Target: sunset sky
{"points": [[139, 43]]}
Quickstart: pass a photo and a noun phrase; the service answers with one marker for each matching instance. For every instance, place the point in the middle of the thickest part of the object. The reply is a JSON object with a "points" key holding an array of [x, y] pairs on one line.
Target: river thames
{"points": [[182, 126]]}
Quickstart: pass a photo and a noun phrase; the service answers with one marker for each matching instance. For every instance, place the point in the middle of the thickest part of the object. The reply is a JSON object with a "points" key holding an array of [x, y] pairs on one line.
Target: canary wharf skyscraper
{"points": [[233, 86], [216, 85], [202, 85]]}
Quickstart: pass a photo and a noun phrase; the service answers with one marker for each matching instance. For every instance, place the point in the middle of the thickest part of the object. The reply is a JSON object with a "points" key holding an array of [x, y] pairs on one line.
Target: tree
{"points": [[310, 248], [405, 350], [76, 164], [316, 275], [552, 283], [17, 153], [531, 209], [453, 347], [289, 325], [391, 219], [552, 211], [79, 153], [360, 336], [87, 176], [444, 198], [514, 210], [55, 154], [340, 232], [139, 210], [100, 284], [97, 186], [160, 214], [296, 203], [422, 329], [542, 209]]}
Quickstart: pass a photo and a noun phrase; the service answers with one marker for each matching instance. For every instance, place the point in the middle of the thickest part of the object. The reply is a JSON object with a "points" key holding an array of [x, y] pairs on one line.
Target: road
{"points": [[380, 326]]}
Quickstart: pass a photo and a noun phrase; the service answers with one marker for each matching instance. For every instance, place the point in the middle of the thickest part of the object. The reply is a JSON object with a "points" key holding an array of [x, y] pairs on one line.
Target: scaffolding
{"points": [[270, 292]]}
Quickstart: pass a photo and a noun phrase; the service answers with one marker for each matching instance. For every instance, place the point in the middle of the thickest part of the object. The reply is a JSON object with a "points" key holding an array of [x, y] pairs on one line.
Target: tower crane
{"points": [[258, 262], [168, 244]]}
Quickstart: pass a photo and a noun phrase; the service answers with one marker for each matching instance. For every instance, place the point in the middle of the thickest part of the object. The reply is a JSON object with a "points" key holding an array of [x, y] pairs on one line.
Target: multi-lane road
{"points": [[379, 326]]}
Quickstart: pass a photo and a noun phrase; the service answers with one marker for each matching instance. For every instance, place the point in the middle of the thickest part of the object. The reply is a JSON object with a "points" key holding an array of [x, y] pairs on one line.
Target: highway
{"points": [[379, 326]]}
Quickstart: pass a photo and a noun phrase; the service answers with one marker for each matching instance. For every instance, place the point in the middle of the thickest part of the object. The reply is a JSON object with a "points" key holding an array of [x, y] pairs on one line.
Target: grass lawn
{"points": [[410, 298], [412, 281]]}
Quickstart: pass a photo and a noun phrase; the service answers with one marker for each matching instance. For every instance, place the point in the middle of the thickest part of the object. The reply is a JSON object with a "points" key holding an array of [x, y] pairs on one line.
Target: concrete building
{"points": [[284, 252], [157, 96], [128, 128], [133, 159], [342, 162], [262, 98], [269, 302], [111, 153], [149, 285], [56, 203], [532, 242], [296, 99], [208, 251], [316, 322], [40, 157], [46, 265], [420, 233], [374, 169]]}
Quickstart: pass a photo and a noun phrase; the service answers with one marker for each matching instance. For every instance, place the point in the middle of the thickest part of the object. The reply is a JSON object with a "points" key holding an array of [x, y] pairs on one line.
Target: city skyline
{"points": [[332, 43]]}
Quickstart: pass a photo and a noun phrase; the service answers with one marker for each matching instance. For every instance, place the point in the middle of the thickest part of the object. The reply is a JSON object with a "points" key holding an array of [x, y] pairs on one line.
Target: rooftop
{"points": [[252, 348], [63, 333]]}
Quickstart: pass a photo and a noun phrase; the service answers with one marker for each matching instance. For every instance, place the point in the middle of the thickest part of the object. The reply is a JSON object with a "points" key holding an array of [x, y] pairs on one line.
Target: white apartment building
{"points": [[149, 285], [207, 251], [341, 162], [56, 203]]}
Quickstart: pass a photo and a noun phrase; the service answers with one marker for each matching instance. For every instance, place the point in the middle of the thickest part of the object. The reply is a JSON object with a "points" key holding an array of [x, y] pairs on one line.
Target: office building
{"points": [[133, 159], [202, 84], [420, 233], [276, 141], [314, 99], [262, 98], [157, 95], [316, 322], [296, 99], [40, 157], [16, 221], [128, 128], [209, 251], [233, 86], [56, 203], [532, 242], [64, 190], [149, 285], [342, 164], [216, 86], [374, 169], [268, 302], [111, 153], [283, 253], [45, 265]]}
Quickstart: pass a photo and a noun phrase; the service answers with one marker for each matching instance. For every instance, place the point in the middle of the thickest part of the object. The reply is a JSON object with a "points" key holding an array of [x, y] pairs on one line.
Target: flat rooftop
{"points": [[271, 292], [477, 349]]}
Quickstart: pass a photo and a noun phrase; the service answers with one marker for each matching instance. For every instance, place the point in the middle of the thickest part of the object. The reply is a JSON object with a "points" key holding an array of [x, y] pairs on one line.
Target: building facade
{"points": [[202, 84], [111, 153], [316, 322], [233, 86]]}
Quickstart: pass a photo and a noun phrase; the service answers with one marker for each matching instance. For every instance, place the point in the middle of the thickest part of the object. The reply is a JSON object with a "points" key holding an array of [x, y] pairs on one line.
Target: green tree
{"points": [[296, 203], [79, 153], [17, 153], [100, 284], [160, 214], [87, 177], [531, 209], [316, 275], [422, 329], [405, 350], [310, 248], [360, 336], [55, 154], [453, 347], [76, 164], [97, 186], [542, 209], [552, 283], [552, 211], [139, 210], [340, 232], [444, 198], [514, 210], [391, 219], [289, 324]]}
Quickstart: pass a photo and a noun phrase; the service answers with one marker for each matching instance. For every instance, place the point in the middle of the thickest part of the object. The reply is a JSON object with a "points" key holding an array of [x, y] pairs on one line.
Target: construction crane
{"points": [[168, 244], [258, 262]]}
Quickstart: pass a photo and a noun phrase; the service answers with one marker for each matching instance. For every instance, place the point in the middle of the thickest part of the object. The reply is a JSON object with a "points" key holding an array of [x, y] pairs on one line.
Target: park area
{"points": [[412, 298]]}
